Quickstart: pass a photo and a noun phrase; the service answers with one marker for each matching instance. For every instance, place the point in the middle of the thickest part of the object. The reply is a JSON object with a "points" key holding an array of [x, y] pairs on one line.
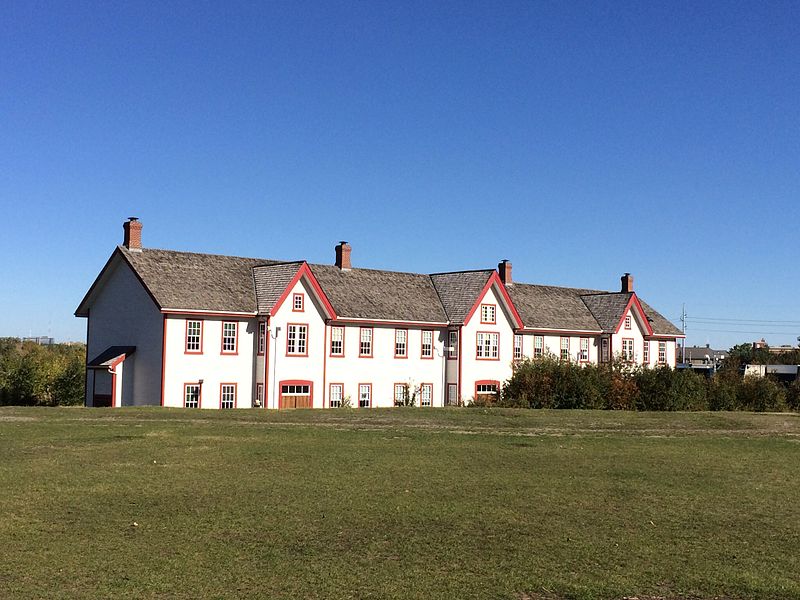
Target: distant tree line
{"points": [[35, 375], [550, 383], [745, 354]]}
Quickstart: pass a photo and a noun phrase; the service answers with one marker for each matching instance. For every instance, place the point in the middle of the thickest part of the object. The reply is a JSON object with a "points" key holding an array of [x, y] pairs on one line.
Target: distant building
{"points": [[42, 340], [785, 373], [703, 358]]}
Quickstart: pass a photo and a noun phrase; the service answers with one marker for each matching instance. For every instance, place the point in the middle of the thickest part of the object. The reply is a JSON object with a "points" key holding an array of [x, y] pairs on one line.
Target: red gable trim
{"points": [[494, 278], [634, 302], [305, 270]]}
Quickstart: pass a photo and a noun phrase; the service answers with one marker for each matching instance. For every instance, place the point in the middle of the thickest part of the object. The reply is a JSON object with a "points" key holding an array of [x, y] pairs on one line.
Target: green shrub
{"points": [[761, 394]]}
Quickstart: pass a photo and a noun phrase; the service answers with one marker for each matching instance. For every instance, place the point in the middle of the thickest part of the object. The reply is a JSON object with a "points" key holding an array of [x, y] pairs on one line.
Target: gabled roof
{"points": [[186, 280], [660, 324], [380, 295], [459, 291], [607, 307], [551, 307], [271, 281]]}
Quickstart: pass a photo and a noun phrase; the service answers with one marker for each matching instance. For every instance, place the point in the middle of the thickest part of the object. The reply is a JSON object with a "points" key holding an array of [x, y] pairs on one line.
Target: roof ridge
{"points": [[464, 271], [121, 247], [312, 265]]}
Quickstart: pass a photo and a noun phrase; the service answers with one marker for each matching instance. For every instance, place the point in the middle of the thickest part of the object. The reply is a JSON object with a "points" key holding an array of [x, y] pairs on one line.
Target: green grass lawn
{"points": [[398, 503]]}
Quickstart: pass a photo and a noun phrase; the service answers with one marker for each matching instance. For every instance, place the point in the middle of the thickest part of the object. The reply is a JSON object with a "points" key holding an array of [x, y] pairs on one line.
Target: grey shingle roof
{"points": [[187, 280], [459, 291], [551, 307], [386, 295], [197, 281], [660, 324], [271, 281], [607, 308]]}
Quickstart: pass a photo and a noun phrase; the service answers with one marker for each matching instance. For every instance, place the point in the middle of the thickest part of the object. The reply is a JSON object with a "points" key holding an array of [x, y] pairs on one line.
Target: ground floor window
{"points": [[426, 394], [191, 395], [604, 350], [627, 349], [486, 391], [452, 394], [336, 395], [227, 395], [259, 394], [364, 395]]}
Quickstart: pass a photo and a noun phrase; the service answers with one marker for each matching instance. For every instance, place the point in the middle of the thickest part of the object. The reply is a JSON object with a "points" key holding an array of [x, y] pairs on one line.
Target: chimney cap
{"points": [[343, 242], [133, 218]]}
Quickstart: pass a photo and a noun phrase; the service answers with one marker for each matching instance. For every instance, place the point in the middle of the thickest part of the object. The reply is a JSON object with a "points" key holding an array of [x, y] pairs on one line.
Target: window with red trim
{"points": [[488, 313], [229, 331], [194, 337], [298, 303]]}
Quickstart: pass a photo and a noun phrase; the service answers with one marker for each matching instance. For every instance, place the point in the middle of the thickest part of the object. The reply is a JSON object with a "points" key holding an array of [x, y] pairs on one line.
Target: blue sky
{"points": [[579, 140]]}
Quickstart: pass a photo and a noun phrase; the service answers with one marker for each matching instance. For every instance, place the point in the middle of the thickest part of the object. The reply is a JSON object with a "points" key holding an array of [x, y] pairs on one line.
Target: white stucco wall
{"points": [[383, 370], [474, 369], [121, 313], [212, 366]]}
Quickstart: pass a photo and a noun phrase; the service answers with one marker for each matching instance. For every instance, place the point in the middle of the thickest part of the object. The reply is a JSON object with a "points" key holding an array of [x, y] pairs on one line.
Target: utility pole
{"points": [[683, 323]]}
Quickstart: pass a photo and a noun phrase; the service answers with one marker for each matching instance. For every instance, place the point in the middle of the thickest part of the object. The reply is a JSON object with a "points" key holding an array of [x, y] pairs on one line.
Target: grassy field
{"points": [[398, 503]]}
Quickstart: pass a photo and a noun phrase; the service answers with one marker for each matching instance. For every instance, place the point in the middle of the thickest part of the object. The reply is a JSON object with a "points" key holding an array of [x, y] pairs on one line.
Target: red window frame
{"points": [[371, 342], [422, 386], [520, 354], [302, 299], [235, 338], [405, 352], [186, 337], [330, 345], [235, 393], [262, 338], [296, 354], [477, 333], [358, 399], [660, 345], [628, 322], [625, 358], [199, 387], [561, 347], [452, 354], [494, 307], [330, 393], [422, 354], [580, 349], [540, 350]]}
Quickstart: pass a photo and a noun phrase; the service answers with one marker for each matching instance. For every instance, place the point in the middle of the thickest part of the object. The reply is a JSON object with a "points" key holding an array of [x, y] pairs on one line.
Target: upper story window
{"points": [[262, 337], [191, 395], [426, 394], [604, 356], [538, 346], [452, 344], [337, 341], [229, 341], [488, 313], [401, 343], [227, 395], [487, 345], [365, 342], [627, 322], [627, 349], [584, 355], [296, 339], [646, 353], [564, 348], [298, 303], [662, 353], [517, 347], [194, 337], [426, 350]]}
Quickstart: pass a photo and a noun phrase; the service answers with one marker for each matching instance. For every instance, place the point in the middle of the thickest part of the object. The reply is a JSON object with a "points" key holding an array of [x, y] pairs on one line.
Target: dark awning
{"points": [[111, 355]]}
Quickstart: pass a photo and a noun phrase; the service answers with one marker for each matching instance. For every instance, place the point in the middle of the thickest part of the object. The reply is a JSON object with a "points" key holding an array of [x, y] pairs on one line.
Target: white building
{"points": [[201, 330]]}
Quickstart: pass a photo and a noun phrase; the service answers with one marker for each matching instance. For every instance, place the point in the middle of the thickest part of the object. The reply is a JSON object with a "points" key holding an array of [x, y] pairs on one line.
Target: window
{"points": [[452, 394], [194, 337], [488, 313], [426, 394], [662, 353], [427, 344], [298, 303], [486, 390], [604, 349], [564, 348], [365, 346], [400, 392], [296, 339], [337, 341], [646, 353], [627, 349], [227, 395], [364, 395], [262, 337], [259, 394], [452, 343], [487, 345], [538, 346], [191, 395], [584, 356], [296, 389], [517, 347], [336, 395], [401, 343], [229, 342], [627, 322]]}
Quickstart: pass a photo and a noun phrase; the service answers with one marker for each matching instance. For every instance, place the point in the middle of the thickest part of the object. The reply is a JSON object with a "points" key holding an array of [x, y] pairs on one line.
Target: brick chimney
{"points": [[627, 283], [504, 268], [343, 256], [133, 234]]}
